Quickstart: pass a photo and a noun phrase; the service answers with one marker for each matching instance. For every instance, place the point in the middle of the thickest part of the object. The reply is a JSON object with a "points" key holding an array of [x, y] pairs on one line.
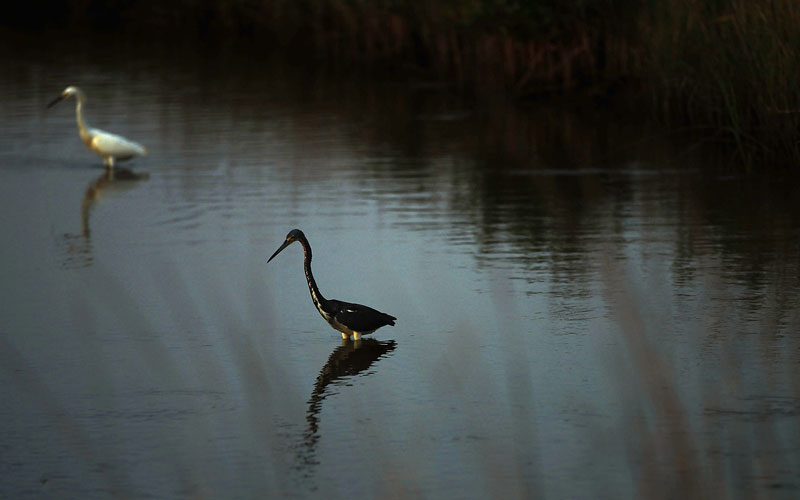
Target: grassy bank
{"points": [[732, 67], [727, 68]]}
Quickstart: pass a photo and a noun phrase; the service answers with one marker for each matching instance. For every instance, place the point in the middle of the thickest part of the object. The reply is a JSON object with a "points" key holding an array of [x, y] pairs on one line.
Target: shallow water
{"points": [[585, 308]]}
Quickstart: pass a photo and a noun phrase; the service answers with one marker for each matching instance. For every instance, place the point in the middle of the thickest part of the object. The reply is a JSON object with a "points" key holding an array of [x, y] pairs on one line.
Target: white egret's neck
{"points": [[83, 127]]}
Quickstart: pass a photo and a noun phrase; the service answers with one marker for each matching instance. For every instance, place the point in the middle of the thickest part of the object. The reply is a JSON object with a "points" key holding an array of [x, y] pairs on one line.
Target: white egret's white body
{"points": [[110, 147]]}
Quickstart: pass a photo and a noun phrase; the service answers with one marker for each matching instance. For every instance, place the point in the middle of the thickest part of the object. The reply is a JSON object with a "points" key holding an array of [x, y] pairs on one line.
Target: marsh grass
{"points": [[727, 69], [732, 67]]}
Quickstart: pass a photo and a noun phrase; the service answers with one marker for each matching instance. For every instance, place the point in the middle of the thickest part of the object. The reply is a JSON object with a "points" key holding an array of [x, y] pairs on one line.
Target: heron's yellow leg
{"points": [[356, 335], [345, 336]]}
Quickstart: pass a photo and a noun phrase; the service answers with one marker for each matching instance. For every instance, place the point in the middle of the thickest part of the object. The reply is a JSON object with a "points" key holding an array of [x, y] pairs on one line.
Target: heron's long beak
{"points": [[285, 244], [55, 101]]}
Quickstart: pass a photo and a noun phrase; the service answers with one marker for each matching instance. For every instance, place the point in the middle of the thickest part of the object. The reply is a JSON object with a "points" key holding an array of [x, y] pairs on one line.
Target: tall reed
{"points": [[728, 68], [731, 66]]}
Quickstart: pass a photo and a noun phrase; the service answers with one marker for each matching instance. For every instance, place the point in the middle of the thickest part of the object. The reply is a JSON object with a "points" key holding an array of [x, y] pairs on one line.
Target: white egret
{"points": [[110, 147]]}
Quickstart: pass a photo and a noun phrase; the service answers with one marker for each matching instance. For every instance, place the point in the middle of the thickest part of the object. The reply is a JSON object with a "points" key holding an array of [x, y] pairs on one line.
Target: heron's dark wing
{"points": [[360, 318]]}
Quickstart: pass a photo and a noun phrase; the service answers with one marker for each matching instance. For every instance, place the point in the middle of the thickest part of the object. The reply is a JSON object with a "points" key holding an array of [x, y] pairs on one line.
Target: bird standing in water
{"points": [[109, 146], [348, 318]]}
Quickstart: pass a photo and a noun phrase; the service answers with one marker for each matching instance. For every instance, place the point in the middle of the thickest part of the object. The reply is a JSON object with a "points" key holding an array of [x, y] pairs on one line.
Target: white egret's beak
{"points": [[56, 100]]}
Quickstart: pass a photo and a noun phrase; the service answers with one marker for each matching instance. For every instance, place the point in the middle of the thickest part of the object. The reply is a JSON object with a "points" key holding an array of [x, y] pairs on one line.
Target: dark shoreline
{"points": [[724, 69]]}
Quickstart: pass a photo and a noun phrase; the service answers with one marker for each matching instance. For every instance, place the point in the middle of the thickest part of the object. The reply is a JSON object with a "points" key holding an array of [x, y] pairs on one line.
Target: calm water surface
{"points": [[584, 309]]}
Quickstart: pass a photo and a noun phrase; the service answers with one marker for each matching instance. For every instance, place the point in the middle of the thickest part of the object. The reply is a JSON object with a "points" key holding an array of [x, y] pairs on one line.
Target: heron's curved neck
{"points": [[83, 127], [316, 296]]}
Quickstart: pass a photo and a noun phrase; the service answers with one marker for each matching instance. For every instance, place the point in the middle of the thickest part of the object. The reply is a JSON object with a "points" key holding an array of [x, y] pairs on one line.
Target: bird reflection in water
{"points": [[79, 246], [346, 361]]}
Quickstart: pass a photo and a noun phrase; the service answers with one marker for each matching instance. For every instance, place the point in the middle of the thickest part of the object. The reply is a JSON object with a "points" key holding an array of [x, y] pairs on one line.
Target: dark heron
{"points": [[348, 318]]}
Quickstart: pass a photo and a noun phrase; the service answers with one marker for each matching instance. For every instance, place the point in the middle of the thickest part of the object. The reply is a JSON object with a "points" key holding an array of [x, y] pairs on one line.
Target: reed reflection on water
{"points": [[585, 308]]}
